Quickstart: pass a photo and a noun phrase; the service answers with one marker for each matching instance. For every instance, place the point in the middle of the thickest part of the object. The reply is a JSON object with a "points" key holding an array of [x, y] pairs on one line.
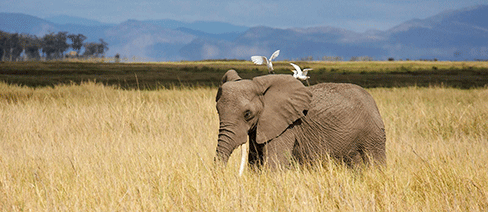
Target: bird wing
{"points": [[295, 73], [274, 55], [296, 67], [305, 71], [259, 60]]}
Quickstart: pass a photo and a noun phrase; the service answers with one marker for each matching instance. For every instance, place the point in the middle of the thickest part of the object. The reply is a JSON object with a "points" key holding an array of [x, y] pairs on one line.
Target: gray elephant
{"points": [[286, 121]]}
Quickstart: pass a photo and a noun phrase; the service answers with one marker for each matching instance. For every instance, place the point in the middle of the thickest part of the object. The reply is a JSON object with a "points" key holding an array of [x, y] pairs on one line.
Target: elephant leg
{"points": [[278, 152], [255, 156], [376, 154], [374, 149], [360, 155]]}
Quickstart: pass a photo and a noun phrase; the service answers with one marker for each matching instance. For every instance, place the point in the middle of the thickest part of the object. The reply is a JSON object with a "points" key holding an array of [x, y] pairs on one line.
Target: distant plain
{"points": [[208, 73]]}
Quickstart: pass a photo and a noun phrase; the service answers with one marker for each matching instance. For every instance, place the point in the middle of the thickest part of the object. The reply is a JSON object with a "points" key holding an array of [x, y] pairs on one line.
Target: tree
{"points": [[54, 45], [49, 45], [90, 49], [10, 46], [309, 58], [361, 58], [330, 58], [77, 42], [3, 44], [102, 47], [61, 44], [30, 45], [15, 47], [95, 49]]}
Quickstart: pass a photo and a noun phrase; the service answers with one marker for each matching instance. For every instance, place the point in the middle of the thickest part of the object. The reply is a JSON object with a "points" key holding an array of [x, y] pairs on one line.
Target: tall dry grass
{"points": [[98, 148]]}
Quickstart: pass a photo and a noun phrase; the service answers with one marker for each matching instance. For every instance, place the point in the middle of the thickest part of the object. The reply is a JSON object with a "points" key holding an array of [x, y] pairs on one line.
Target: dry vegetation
{"points": [[98, 148], [209, 73]]}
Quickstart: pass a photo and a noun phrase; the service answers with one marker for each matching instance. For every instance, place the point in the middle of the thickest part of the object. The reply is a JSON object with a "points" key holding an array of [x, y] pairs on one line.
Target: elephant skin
{"points": [[284, 121]]}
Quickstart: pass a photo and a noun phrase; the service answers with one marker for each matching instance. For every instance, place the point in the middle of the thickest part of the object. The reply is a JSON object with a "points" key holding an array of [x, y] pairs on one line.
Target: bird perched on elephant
{"points": [[283, 121], [300, 74]]}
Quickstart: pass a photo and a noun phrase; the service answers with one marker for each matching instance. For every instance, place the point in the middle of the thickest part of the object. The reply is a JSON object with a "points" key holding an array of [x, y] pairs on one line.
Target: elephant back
{"points": [[345, 97], [343, 120]]}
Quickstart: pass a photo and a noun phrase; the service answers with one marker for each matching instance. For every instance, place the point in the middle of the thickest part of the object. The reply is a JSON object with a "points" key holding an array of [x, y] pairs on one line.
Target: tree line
{"points": [[337, 58], [17, 47]]}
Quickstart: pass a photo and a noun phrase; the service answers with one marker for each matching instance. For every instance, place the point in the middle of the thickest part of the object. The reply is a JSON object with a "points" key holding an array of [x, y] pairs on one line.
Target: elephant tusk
{"points": [[243, 158]]}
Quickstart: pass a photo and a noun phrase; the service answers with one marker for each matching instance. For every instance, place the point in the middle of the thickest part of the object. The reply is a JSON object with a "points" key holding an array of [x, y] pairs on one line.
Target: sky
{"points": [[355, 15]]}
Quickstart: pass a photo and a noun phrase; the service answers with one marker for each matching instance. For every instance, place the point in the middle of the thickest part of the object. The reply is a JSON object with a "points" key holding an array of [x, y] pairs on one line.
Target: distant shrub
{"points": [[222, 60], [331, 58], [309, 58], [117, 57], [361, 58]]}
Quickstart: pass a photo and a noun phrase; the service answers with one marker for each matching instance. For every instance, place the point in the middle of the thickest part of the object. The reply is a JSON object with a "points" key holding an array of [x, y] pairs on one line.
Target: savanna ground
{"points": [[106, 146]]}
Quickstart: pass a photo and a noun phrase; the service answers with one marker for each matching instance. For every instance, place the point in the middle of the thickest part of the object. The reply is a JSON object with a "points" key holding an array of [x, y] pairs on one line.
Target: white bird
{"points": [[259, 60], [299, 74]]}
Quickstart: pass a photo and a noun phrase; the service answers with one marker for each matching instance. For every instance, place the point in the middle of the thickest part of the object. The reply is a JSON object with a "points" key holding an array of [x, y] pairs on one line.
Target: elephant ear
{"points": [[230, 75], [285, 101]]}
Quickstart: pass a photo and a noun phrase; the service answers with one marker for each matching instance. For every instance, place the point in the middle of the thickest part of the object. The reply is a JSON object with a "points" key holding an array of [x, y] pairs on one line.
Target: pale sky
{"points": [[356, 15]]}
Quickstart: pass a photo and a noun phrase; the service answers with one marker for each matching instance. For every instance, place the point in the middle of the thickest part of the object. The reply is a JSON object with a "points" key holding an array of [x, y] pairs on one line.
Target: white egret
{"points": [[260, 60], [299, 74]]}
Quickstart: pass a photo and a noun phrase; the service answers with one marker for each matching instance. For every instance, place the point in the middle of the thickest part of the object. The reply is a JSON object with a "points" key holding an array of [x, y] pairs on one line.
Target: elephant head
{"points": [[265, 105]]}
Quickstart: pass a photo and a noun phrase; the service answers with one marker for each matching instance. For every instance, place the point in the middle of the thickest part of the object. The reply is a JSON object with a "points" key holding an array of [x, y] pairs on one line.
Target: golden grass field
{"points": [[92, 147]]}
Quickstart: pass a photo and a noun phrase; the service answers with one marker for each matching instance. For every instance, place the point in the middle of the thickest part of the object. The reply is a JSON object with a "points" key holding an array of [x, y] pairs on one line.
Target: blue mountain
{"points": [[451, 35], [209, 27], [21, 23], [66, 19]]}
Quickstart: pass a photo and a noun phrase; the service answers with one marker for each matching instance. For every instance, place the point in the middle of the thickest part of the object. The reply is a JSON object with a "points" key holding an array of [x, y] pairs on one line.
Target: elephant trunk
{"points": [[228, 141], [223, 151]]}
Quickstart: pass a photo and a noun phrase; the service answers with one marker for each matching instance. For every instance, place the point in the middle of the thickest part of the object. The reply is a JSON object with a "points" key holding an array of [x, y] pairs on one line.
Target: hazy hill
{"points": [[212, 27], [451, 35], [146, 41], [149, 40], [229, 36], [21, 23], [294, 43], [66, 19], [455, 35]]}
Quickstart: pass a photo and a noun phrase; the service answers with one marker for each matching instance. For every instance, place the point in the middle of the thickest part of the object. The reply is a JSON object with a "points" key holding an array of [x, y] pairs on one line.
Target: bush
{"points": [[329, 58], [361, 58]]}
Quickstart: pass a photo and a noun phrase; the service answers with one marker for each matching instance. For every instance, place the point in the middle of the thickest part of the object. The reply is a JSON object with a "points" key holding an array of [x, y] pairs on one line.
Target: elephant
{"points": [[286, 121]]}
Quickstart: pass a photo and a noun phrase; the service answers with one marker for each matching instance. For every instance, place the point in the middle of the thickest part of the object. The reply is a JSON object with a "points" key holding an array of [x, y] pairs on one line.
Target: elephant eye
{"points": [[248, 115]]}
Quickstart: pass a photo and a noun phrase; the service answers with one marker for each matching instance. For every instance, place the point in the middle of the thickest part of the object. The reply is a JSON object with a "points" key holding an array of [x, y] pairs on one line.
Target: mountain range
{"points": [[451, 35]]}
